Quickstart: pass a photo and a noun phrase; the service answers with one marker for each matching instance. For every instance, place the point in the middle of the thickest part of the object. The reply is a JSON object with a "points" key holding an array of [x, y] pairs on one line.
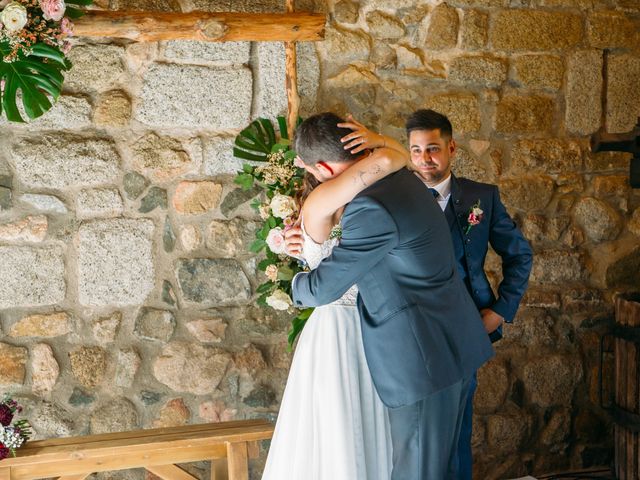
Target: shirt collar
{"points": [[444, 187]]}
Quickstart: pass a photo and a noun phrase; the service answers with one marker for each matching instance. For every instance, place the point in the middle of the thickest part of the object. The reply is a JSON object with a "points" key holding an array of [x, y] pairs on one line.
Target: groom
{"points": [[422, 334]]}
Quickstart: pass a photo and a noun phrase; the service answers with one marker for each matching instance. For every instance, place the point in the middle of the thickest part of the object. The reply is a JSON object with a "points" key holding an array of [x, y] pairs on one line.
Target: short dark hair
{"points": [[317, 139], [426, 119]]}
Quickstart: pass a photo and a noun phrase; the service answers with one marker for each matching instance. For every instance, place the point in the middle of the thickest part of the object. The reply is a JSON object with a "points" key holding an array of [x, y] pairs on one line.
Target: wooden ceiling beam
{"points": [[203, 26]]}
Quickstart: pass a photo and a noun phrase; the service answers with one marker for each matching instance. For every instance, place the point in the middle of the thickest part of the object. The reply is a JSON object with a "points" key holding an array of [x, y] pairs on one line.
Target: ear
{"points": [[452, 147], [325, 169], [298, 162]]}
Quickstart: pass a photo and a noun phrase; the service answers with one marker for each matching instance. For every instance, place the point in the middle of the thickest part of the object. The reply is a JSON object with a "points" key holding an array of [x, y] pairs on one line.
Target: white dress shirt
{"points": [[444, 190]]}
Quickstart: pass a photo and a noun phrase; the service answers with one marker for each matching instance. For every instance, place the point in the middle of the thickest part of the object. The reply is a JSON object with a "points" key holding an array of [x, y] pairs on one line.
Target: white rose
{"points": [[275, 241], [265, 211], [279, 300], [272, 273], [283, 206], [14, 17]]}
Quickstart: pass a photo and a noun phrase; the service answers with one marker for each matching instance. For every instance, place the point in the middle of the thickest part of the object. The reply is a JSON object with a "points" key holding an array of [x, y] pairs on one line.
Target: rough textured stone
{"points": [[612, 30], [518, 113], [31, 276], [443, 27], [161, 158], [348, 46], [262, 396], [230, 239], [634, 222], [469, 166], [113, 109], [225, 53], [134, 184], [538, 71], [346, 11], [156, 197], [549, 156], [155, 324], [192, 198], [474, 29], [212, 281], [271, 98], [535, 30], [599, 221], [208, 330], [174, 413], [168, 237], [185, 367], [624, 271], [527, 193], [181, 96], [106, 328], [478, 70], [62, 161], [70, 113], [50, 420], [5, 198], [95, 67], [29, 229], [42, 325], [190, 237], [214, 412], [44, 203], [218, 156], [384, 26], [551, 380], [611, 185], [583, 113], [462, 110], [606, 161], [237, 197], [115, 262], [99, 203], [13, 363], [44, 369], [80, 398], [88, 365], [168, 295], [556, 267], [119, 415], [149, 398], [493, 386], [558, 428], [128, 363], [250, 359], [308, 77], [623, 100], [507, 432]]}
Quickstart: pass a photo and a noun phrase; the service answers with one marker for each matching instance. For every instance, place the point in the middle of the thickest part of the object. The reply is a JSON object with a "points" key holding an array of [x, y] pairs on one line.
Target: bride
{"points": [[332, 425]]}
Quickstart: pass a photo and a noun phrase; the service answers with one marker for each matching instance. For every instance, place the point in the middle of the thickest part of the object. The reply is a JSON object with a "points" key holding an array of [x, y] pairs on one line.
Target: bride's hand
{"points": [[361, 138], [293, 241]]}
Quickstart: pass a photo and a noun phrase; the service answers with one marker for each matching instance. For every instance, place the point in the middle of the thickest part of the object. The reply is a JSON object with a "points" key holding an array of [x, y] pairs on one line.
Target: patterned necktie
{"points": [[434, 192]]}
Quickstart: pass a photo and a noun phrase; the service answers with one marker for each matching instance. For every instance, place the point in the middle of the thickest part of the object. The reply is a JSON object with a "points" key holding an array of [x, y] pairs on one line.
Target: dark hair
{"points": [[429, 120], [318, 139]]}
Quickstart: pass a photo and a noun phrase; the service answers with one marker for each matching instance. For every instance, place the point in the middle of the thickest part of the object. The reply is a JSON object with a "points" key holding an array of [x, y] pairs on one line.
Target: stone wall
{"points": [[127, 292]]}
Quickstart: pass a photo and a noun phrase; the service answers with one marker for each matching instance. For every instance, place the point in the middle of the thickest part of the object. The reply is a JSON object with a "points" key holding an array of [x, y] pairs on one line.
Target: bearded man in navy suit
{"points": [[477, 218]]}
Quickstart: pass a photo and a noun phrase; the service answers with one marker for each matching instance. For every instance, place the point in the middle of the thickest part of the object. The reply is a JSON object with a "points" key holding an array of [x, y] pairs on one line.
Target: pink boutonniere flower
{"points": [[475, 216]]}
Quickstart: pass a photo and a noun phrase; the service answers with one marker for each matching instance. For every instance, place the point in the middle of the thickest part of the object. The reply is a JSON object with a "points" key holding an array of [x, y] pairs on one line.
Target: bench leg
{"points": [[5, 473], [237, 458], [219, 470]]}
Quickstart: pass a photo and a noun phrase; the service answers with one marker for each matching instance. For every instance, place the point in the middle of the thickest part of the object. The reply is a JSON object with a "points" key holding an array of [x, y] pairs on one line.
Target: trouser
{"points": [[425, 434], [465, 457]]}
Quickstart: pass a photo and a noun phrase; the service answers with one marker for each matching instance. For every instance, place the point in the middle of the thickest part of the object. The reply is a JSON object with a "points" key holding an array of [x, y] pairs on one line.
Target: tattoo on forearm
{"points": [[360, 176]]}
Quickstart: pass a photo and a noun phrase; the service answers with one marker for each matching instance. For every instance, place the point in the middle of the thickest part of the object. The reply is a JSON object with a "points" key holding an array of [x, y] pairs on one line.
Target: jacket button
{"points": [[461, 215], [468, 240], [457, 201], [476, 291], [468, 254]]}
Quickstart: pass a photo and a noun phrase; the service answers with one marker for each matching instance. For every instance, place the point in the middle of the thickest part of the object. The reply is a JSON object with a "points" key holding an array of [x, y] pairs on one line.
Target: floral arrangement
{"points": [[33, 47], [272, 169], [475, 216], [13, 434]]}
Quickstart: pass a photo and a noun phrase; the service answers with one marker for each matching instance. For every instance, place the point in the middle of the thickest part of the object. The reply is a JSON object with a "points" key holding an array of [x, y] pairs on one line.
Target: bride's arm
{"points": [[323, 202], [361, 138]]}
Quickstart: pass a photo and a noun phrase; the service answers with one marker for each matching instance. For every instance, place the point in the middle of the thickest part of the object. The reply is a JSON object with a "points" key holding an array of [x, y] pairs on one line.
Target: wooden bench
{"points": [[228, 445]]}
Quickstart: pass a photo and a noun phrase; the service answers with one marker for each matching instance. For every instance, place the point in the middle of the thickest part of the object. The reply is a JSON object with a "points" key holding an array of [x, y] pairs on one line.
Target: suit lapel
{"points": [[455, 200]]}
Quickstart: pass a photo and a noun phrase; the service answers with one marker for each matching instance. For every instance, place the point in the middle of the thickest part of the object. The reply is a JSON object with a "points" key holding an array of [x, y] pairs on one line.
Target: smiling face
{"points": [[431, 154]]}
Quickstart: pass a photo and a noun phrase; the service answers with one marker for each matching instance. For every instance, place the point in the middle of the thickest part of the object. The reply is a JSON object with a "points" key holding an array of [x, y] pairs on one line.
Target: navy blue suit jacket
{"points": [[496, 229]]}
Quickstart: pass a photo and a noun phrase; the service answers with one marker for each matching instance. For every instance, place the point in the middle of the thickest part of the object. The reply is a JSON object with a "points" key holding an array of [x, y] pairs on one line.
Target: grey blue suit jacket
{"points": [[421, 330], [470, 247]]}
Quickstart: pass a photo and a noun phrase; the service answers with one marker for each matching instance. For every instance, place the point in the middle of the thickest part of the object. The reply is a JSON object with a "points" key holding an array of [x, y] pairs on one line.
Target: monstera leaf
{"points": [[37, 77], [256, 141]]}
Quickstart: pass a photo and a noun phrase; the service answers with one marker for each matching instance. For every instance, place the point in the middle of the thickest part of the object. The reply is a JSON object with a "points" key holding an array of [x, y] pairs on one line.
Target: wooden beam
{"points": [[170, 472], [204, 26], [291, 75]]}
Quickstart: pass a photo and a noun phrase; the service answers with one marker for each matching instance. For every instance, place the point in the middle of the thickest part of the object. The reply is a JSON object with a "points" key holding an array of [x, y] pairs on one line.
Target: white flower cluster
{"points": [[279, 300], [277, 170], [10, 438], [14, 17]]}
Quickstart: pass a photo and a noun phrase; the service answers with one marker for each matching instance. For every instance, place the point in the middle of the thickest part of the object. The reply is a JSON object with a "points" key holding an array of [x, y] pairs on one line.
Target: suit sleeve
{"points": [[368, 234], [517, 257]]}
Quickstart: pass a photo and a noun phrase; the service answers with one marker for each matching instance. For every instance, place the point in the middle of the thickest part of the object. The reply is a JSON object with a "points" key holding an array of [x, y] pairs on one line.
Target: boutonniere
{"points": [[336, 232], [475, 216]]}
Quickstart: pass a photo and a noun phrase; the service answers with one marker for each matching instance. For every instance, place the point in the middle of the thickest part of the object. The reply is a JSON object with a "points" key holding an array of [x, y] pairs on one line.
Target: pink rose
{"points": [[275, 241], [66, 27], [53, 9]]}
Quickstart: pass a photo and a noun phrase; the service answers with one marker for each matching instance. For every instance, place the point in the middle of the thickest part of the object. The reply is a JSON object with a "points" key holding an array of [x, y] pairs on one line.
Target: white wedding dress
{"points": [[332, 425]]}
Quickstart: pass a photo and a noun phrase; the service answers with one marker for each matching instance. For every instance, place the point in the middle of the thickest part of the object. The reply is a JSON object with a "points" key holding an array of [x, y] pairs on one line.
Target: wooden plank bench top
{"points": [[157, 450]]}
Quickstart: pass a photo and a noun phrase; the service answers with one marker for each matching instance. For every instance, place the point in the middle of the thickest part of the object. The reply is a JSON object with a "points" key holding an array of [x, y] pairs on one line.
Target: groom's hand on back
{"points": [[293, 241]]}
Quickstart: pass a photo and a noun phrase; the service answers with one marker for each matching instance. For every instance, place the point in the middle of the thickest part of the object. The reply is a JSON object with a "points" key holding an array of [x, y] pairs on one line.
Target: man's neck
{"points": [[435, 184]]}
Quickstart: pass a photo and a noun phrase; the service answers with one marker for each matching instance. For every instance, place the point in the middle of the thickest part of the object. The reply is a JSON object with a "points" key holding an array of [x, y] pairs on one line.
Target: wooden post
{"points": [[291, 72], [237, 461]]}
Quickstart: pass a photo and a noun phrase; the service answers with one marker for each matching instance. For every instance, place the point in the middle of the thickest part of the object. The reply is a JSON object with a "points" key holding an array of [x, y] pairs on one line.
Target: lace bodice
{"points": [[314, 253]]}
